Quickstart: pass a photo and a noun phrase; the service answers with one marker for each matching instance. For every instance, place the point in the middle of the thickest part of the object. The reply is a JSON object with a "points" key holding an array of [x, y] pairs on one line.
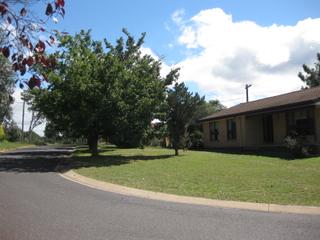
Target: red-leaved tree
{"points": [[20, 28]]}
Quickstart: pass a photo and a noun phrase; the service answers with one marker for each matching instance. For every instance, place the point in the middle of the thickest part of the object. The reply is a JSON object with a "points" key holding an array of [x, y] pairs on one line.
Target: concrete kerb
{"points": [[114, 188]]}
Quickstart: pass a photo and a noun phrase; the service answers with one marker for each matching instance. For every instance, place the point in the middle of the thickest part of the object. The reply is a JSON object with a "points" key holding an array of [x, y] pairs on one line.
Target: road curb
{"points": [[114, 188]]}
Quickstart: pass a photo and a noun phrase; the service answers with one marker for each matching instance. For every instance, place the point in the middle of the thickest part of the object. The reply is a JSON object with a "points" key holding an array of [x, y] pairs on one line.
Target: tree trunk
{"points": [[176, 151], [93, 144]]}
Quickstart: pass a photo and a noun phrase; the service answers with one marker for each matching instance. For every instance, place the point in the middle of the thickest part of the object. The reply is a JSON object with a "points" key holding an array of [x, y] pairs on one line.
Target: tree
{"points": [[141, 92], [312, 75], [12, 131], [22, 28], [195, 132], [6, 89], [93, 93], [37, 117], [182, 107], [79, 92]]}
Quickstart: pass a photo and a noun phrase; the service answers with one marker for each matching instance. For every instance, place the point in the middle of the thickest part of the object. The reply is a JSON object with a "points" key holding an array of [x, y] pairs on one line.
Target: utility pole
{"points": [[22, 127], [247, 91]]}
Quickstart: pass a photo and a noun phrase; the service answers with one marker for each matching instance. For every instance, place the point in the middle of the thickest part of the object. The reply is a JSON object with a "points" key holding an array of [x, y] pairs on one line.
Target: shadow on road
{"points": [[40, 159], [45, 159]]}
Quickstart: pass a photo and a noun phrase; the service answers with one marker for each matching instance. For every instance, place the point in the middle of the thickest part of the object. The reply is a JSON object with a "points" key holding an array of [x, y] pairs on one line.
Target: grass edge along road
{"points": [[238, 177], [6, 146]]}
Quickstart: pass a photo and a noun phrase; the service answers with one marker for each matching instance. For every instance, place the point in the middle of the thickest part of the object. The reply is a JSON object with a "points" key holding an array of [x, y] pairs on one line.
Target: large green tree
{"points": [[79, 98], [101, 91], [182, 107], [141, 91], [312, 75]]}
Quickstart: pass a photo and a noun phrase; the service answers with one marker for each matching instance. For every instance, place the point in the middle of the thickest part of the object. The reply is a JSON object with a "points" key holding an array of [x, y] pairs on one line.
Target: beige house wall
{"points": [[254, 134], [250, 131], [222, 127]]}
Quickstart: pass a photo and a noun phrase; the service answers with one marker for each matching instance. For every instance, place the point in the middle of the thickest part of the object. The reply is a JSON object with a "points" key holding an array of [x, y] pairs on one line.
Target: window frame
{"points": [[214, 131], [301, 126], [231, 129]]}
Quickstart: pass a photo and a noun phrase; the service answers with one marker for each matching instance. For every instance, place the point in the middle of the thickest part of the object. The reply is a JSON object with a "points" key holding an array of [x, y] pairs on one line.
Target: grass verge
{"points": [[12, 145], [239, 177]]}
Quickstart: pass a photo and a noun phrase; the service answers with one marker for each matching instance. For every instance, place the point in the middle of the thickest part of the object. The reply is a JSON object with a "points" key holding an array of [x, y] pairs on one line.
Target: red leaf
{"points": [[60, 3], [22, 69], [43, 61], [3, 8], [24, 61], [15, 67], [49, 9], [34, 81], [6, 52], [23, 12], [40, 47], [52, 62], [30, 61]]}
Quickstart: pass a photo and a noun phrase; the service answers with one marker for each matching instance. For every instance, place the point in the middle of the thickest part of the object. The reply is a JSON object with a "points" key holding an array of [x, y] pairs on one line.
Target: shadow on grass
{"points": [[112, 160], [87, 151], [277, 153]]}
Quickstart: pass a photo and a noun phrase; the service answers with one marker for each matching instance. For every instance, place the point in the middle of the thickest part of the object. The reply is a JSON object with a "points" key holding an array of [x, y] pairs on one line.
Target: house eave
{"points": [[286, 107]]}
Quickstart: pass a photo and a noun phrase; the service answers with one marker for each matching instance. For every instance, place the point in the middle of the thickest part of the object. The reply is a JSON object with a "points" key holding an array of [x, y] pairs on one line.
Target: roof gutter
{"points": [[266, 110]]}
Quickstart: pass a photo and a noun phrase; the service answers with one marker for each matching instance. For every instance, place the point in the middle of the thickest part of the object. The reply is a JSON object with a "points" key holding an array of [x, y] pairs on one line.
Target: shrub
{"points": [[2, 134], [12, 132], [195, 140], [297, 145]]}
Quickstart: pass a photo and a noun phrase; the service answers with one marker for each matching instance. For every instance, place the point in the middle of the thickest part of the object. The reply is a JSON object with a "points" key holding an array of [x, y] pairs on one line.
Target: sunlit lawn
{"points": [[207, 174]]}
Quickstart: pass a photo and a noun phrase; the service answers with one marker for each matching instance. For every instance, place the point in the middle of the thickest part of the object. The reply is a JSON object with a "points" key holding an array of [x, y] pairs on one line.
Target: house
{"points": [[265, 122]]}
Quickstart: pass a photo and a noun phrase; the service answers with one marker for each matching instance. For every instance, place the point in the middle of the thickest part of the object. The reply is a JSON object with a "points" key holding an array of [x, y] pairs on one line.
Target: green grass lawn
{"points": [[12, 145], [239, 177]]}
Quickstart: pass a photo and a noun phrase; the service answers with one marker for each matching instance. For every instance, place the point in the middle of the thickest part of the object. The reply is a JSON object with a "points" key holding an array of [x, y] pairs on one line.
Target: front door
{"points": [[267, 125]]}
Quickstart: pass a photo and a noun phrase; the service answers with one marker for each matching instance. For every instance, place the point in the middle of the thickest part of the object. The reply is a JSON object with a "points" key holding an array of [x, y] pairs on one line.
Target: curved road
{"points": [[36, 203]]}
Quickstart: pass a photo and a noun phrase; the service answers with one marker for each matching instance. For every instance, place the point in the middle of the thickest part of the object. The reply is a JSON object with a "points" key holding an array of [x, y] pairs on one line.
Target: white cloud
{"points": [[231, 54], [17, 108], [177, 16]]}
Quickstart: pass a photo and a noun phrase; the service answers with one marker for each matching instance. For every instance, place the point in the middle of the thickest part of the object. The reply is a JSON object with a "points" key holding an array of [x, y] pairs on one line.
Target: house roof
{"points": [[297, 98]]}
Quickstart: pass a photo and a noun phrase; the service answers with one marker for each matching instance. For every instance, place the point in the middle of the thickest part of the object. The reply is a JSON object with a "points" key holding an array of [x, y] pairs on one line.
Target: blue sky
{"points": [[107, 18], [219, 45]]}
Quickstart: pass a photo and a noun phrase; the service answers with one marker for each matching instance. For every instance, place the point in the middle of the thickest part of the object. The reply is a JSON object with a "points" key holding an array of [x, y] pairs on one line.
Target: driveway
{"points": [[36, 203]]}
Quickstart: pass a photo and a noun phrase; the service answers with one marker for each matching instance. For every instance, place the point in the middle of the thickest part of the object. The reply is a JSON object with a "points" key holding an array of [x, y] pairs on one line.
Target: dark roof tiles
{"points": [[297, 97]]}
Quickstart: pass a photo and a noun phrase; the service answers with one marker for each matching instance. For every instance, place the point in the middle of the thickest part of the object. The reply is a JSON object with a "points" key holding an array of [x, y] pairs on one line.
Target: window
{"points": [[300, 122], [214, 131], [231, 129]]}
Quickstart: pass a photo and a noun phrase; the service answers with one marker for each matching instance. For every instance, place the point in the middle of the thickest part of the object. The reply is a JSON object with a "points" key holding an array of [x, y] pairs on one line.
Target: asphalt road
{"points": [[36, 203]]}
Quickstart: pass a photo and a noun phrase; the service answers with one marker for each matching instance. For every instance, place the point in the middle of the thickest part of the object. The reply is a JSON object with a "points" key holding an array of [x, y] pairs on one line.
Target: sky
{"points": [[219, 45]]}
